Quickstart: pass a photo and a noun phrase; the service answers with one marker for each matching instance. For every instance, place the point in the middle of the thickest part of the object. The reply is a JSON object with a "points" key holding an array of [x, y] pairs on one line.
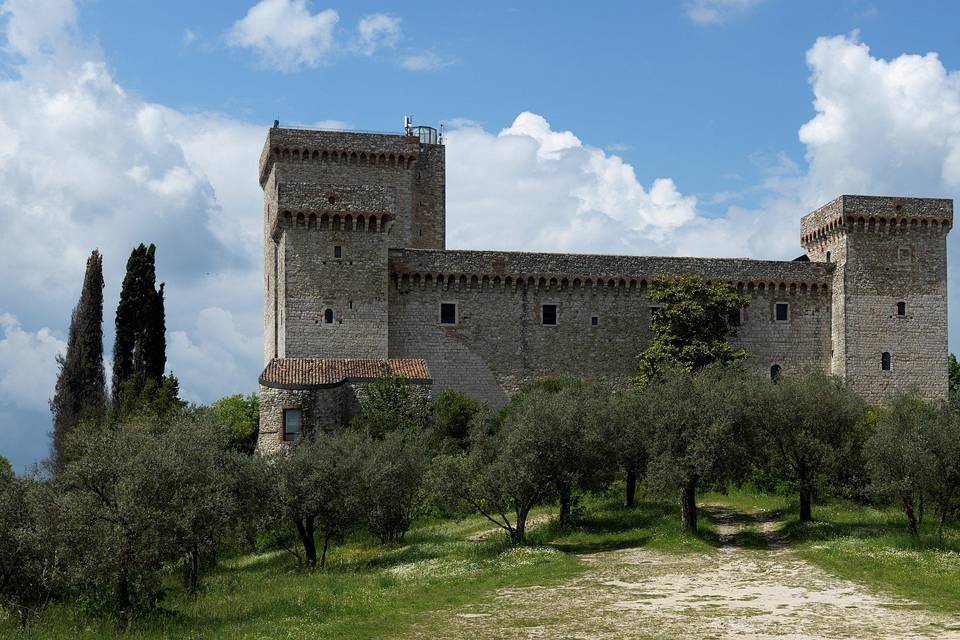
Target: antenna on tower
{"points": [[407, 124]]}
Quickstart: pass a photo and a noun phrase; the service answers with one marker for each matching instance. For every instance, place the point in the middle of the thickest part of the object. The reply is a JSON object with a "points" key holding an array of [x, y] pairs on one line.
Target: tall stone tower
{"points": [[334, 204], [889, 307]]}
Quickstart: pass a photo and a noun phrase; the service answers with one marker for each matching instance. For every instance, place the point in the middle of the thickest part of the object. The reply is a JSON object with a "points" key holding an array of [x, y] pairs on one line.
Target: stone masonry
{"points": [[355, 266]]}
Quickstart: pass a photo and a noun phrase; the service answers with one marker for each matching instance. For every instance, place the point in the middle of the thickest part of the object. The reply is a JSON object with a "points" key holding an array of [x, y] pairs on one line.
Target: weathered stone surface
{"points": [[380, 199]]}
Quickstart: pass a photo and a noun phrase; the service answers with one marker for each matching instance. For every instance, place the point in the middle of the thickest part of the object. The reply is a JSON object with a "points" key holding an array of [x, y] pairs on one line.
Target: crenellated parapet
{"points": [[327, 221], [876, 214], [621, 275], [386, 151]]}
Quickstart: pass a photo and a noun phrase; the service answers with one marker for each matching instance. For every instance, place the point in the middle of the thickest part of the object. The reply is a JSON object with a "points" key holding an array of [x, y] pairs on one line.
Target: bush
{"points": [[453, 412]]}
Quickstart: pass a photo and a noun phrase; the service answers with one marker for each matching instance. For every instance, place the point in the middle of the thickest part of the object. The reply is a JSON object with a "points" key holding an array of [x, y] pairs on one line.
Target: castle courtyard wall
{"points": [[499, 342]]}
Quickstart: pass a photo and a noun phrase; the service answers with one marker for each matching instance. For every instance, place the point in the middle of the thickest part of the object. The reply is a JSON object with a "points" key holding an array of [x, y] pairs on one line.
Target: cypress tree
{"points": [[139, 351], [81, 385]]}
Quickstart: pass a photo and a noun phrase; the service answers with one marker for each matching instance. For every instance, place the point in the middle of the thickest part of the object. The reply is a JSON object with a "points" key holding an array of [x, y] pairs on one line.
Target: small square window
{"points": [[549, 314], [292, 421], [901, 309], [337, 252], [448, 313], [594, 320], [782, 312]]}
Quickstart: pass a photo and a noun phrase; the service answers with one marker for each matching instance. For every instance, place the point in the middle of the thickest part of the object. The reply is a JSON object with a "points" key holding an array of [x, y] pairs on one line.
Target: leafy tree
{"points": [[631, 422], [241, 416], [81, 385], [691, 329], [695, 433], [34, 562], [811, 424], [319, 489], [391, 403], [453, 411], [954, 373], [139, 351], [393, 472], [144, 494], [915, 453], [147, 399], [545, 443]]}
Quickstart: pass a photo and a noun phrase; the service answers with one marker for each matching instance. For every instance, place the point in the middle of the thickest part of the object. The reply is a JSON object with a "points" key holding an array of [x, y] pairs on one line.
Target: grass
{"points": [[371, 591]]}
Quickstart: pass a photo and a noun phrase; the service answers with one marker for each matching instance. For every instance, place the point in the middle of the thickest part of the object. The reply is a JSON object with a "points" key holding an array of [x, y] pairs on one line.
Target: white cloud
{"points": [[285, 35], [377, 31], [426, 61], [189, 37], [28, 370], [38, 26], [711, 12]]}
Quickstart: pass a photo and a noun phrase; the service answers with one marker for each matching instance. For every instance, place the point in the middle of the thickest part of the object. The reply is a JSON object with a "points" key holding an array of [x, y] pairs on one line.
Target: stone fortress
{"points": [[357, 276]]}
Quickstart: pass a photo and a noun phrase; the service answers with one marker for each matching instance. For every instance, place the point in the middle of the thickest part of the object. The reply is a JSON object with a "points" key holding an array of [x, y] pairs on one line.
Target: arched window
{"points": [[901, 308], [775, 372], [328, 316], [885, 361]]}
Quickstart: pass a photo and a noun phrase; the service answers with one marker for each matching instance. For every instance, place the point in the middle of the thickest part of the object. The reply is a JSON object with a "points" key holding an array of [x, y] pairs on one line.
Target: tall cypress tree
{"points": [[81, 386], [140, 347]]}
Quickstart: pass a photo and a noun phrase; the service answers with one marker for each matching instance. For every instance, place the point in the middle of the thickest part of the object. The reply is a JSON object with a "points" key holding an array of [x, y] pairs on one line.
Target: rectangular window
{"points": [[549, 314], [594, 320], [782, 312], [734, 317], [448, 313], [292, 420], [337, 252]]}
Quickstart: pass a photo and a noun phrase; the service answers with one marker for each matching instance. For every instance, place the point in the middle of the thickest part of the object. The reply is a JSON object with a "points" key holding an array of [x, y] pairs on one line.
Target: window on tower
{"points": [[328, 316], [548, 314]]}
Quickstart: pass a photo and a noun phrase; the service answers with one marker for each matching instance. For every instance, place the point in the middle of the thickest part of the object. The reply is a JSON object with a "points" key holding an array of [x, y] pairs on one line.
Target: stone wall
{"points": [[886, 250], [499, 341]]}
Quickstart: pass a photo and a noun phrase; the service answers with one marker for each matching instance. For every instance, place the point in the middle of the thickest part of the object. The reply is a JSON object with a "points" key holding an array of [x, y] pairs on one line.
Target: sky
{"points": [[693, 127]]}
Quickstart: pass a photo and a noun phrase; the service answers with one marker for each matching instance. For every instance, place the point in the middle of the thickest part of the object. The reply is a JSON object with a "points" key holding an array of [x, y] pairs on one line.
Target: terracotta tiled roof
{"points": [[297, 373]]}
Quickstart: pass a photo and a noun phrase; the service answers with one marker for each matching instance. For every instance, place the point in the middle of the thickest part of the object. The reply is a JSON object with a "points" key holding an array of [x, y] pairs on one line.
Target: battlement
{"points": [[398, 151], [882, 214], [309, 220]]}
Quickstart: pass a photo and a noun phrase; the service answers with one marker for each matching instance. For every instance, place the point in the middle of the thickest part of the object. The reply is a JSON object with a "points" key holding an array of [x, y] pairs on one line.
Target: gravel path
{"points": [[733, 592]]}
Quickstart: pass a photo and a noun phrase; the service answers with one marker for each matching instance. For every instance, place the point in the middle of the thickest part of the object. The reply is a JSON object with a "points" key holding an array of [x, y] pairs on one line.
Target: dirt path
{"points": [[734, 592]]}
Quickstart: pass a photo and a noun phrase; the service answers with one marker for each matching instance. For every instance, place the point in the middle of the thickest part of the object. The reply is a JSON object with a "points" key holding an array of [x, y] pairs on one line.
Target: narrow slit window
{"points": [[828, 256], [448, 313], [548, 314], [292, 423], [337, 251], [885, 361]]}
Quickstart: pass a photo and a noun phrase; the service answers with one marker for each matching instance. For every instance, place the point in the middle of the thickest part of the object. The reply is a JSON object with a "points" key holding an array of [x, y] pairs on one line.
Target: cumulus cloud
{"points": [[377, 31], [711, 12], [426, 61], [285, 35], [28, 369]]}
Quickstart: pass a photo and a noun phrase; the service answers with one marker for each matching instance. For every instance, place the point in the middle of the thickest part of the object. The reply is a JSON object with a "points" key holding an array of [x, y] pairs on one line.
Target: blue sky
{"points": [[705, 127]]}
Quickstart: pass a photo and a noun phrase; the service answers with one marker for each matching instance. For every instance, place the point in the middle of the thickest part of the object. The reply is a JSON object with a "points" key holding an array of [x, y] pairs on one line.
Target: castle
{"points": [[357, 274]]}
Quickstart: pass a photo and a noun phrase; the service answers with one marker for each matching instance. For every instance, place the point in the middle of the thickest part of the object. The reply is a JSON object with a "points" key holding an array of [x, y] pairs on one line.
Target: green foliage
{"points": [[691, 328], [241, 416], [811, 424], [141, 398], [319, 489], [914, 454], [953, 368], [394, 468], [141, 495], [391, 403], [453, 411], [33, 567], [139, 351], [81, 394]]}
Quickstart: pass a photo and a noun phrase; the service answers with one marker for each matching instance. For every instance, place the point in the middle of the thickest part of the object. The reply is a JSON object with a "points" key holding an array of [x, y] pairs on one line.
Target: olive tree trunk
{"points": [[688, 506], [630, 495]]}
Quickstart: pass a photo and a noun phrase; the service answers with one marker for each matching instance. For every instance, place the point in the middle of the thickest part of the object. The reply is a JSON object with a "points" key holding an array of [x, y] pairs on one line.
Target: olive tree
{"points": [[393, 471], [630, 421], [318, 489], [811, 423]]}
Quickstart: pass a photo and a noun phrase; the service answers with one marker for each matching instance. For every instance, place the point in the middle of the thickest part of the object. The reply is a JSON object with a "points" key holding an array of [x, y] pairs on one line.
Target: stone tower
{"points": [[889, 293], [334, 204]]}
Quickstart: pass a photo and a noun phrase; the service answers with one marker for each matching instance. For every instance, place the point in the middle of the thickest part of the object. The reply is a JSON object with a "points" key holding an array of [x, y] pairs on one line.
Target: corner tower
{"points": [[334, 203], [889, 304]]}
